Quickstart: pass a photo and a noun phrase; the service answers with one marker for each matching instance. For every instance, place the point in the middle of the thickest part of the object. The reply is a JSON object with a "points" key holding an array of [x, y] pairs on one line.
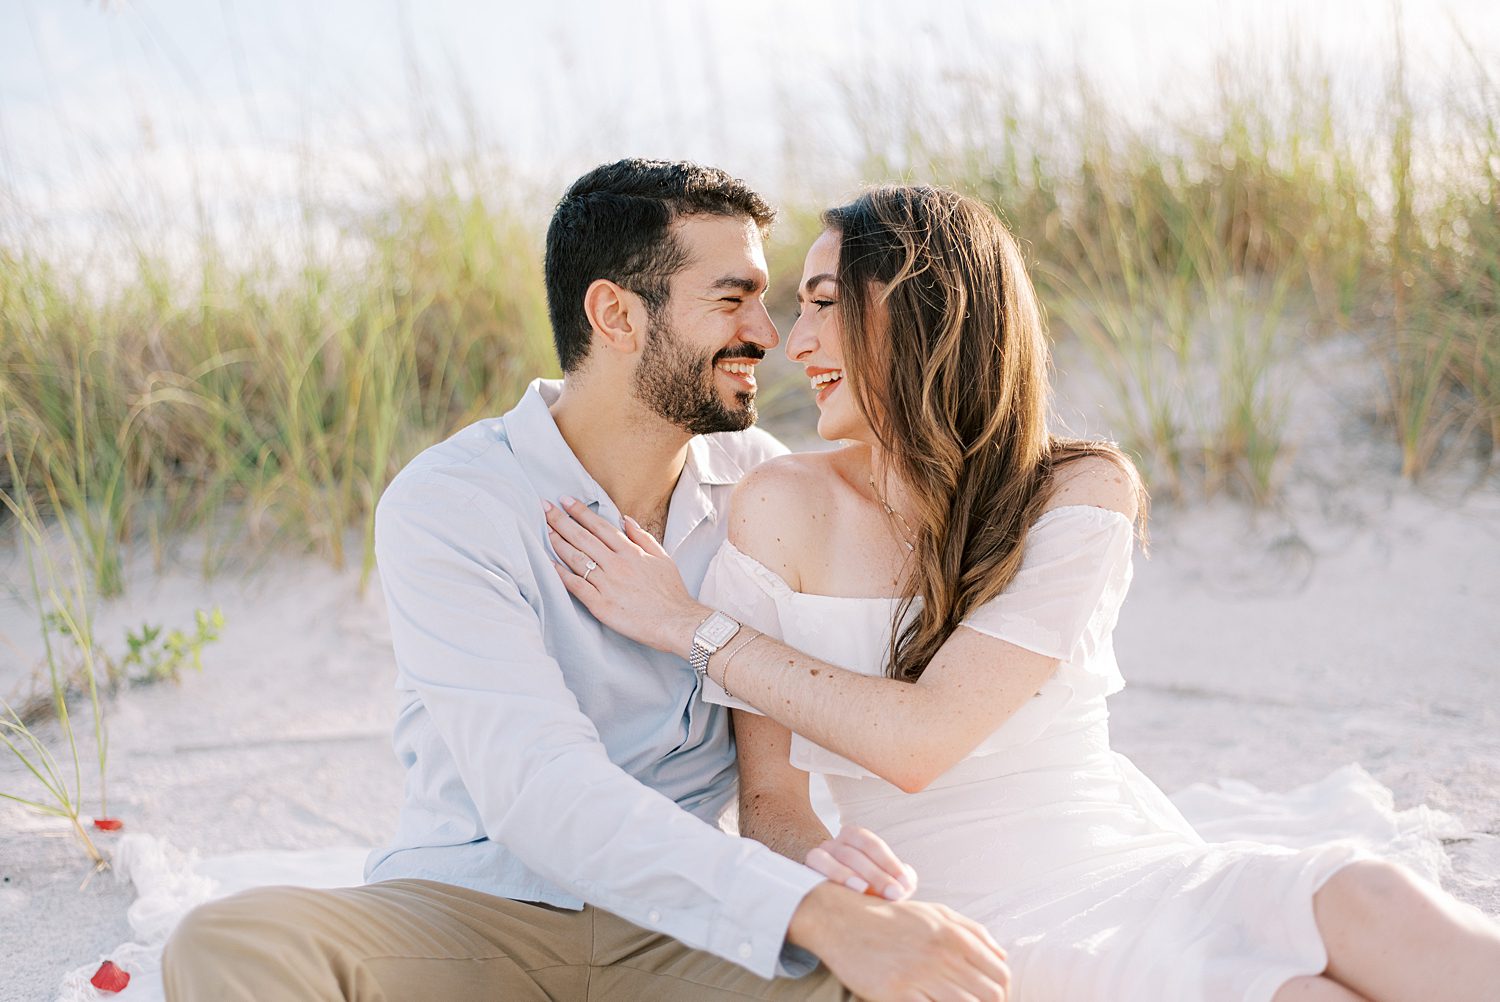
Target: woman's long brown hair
{"points": [[946, 353]]}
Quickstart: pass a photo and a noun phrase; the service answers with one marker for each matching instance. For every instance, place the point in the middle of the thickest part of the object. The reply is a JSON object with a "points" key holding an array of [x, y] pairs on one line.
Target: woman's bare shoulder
{"points": [[797, 478], [776, 508], [1098, 481]]}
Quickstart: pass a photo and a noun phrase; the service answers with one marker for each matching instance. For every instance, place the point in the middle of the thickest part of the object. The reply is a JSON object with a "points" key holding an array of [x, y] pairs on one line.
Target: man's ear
{"points": [[617, 315]]}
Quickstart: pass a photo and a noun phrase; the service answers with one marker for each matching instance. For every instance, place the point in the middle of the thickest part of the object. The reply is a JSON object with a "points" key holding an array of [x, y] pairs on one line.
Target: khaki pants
{"points": [[422, 940]]}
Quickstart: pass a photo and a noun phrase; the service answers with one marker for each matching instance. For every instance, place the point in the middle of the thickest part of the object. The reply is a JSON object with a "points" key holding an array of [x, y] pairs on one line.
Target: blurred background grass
{"points": [[266, 388]]}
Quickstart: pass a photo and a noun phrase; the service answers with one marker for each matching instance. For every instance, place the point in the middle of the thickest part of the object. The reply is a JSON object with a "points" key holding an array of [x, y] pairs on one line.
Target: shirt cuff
{"points": [[713, 692], [752, 928]]}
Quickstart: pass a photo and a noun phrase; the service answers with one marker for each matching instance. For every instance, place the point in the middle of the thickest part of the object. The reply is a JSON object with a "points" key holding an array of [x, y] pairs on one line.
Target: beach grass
{"points": [[274, 386], [287, 395], [1194, 256], [58, 565]]}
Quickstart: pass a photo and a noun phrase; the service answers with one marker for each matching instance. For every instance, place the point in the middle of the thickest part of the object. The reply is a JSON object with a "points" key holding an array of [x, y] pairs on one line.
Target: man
{"points": [[558, 836]]}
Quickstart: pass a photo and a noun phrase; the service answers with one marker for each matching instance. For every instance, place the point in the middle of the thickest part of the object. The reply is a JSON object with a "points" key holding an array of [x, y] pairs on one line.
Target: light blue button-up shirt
{"points": [[547, 757]]}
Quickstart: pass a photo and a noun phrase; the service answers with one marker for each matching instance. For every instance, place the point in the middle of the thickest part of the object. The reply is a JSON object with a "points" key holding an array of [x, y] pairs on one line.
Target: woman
{"points": [[924, 616]]}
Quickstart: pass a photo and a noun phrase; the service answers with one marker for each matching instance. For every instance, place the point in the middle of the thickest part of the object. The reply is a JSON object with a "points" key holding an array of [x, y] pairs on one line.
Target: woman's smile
{"points": [[824, 381]]}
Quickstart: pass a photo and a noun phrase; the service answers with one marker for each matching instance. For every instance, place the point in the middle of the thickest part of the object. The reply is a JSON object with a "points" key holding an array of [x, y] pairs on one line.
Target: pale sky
{"points": [[105, 104]]}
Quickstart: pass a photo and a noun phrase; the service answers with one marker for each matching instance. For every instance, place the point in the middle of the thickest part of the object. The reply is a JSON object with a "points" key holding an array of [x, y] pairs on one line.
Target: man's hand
{"points": [[900, 951], [861, 861]]}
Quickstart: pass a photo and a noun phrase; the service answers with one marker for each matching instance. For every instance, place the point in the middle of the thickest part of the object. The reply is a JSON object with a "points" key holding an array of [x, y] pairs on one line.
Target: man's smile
{"points": [[739, 370]]}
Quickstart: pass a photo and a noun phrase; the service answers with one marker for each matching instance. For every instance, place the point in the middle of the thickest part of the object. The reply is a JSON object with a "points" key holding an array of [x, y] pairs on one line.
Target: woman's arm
{"points": [[906, 733], [775, 807], [776, 810]]}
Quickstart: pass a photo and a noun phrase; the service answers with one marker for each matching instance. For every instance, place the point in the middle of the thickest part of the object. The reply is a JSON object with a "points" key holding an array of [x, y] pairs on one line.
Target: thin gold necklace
{"points": [[905, 525]]}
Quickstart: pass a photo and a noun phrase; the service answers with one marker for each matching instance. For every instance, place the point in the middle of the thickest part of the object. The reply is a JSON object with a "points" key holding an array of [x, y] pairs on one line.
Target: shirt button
{"points": [[746, 950], [654, 915]]}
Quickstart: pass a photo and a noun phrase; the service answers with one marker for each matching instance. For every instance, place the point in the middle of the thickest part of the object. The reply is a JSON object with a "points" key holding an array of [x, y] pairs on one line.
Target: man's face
{"points": [[697, 368]]}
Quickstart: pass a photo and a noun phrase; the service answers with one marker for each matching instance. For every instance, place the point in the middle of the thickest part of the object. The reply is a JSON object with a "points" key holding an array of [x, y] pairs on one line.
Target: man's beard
{"points": [[678, 384]]}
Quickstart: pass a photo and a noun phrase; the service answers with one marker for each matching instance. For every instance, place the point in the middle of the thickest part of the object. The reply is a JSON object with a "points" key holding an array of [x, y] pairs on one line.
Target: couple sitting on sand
{"points": [[922, 615]]}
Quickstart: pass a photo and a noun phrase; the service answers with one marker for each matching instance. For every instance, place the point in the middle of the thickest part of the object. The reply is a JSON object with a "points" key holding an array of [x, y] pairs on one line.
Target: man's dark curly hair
{"points": [[615, 222]]}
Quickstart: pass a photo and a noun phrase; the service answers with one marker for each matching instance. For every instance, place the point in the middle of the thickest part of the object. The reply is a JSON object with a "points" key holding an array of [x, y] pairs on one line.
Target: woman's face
{"points": [[815, 344]]}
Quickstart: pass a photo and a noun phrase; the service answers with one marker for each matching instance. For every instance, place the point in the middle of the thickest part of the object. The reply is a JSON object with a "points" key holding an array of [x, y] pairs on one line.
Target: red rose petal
{"points": [[108, 824], [109, 978]]}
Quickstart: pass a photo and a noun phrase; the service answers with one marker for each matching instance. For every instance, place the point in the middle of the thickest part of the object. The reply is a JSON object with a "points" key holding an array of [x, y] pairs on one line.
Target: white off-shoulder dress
{"points": [[1079, 865]]}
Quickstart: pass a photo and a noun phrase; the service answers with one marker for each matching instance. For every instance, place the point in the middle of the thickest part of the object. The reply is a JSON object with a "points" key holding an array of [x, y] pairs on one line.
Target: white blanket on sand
{"points": [[1349, 805]]}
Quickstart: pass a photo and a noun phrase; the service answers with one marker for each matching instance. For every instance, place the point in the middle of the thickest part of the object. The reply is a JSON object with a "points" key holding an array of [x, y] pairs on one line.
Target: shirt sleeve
{"points": [[469, 642], [1074, 573]]}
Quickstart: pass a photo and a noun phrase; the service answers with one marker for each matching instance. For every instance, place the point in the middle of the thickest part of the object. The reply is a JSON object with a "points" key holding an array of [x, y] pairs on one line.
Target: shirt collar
{"points": [[710, 463], [542, 451]]}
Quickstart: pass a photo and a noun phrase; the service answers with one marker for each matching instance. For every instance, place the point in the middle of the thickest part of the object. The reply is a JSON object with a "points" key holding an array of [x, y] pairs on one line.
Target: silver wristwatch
{"points": [[711, 636]]}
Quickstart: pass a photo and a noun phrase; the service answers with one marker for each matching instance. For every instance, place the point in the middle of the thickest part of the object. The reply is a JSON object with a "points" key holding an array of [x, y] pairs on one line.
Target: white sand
{"points": [[281, 743], [1355, 623]]}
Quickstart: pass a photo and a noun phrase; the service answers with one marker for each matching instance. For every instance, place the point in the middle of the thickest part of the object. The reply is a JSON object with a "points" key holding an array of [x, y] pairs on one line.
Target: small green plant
{"points": [[152, 654], [152, 657]]}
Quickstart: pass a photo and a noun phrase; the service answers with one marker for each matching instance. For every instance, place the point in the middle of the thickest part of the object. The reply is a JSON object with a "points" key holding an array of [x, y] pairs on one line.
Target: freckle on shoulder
{"points": [[786, 480], [1096, 481]]}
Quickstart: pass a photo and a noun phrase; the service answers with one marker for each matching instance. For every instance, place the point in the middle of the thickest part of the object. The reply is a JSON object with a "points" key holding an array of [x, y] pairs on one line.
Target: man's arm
{"points": [[469, 643]]}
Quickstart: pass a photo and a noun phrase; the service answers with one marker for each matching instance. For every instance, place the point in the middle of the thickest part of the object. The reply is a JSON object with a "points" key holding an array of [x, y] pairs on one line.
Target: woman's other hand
{"points": [[632, 587], [861, 861]]}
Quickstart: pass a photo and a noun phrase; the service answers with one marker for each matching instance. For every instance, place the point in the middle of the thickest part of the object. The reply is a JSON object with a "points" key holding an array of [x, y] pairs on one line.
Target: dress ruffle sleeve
{"points": [[748, 592], [1062, 603], [1064, 600]]}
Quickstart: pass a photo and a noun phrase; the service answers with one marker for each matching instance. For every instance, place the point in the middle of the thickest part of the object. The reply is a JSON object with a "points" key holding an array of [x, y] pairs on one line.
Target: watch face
{"points": [[717, 629]]}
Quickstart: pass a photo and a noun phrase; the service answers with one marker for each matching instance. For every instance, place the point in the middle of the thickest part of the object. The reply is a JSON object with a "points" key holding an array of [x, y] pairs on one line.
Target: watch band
{"points": [[699, 656]]}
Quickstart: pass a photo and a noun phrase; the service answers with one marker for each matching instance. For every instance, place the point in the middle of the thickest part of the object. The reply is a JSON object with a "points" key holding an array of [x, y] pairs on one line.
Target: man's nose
{"points": [[760, 329]]}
